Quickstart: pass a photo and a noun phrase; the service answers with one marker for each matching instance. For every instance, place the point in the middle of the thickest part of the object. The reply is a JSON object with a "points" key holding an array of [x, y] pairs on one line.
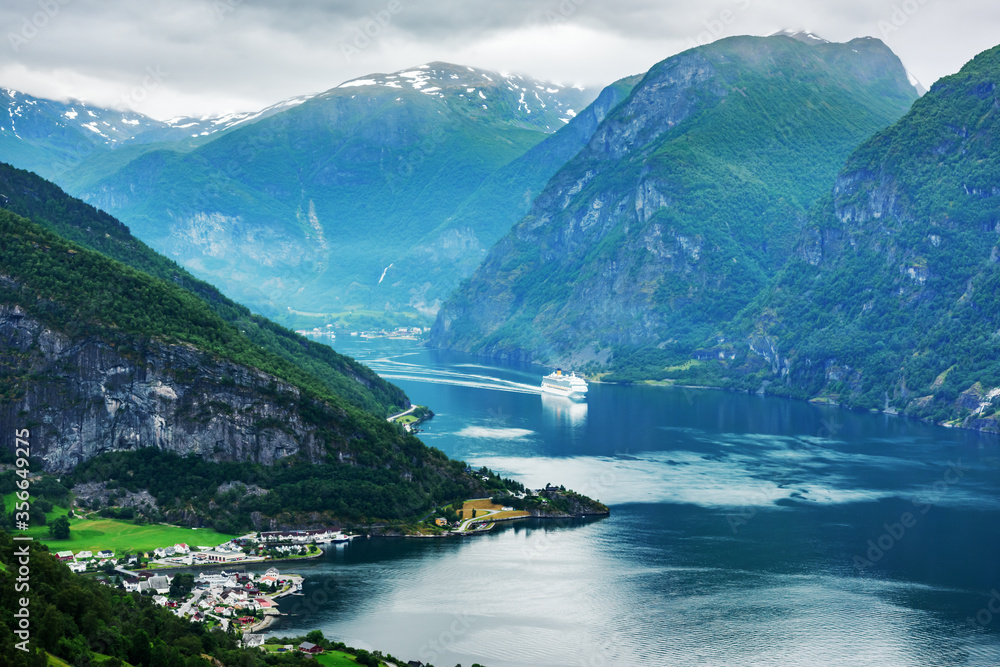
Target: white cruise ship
{"points": [[564, 385]]}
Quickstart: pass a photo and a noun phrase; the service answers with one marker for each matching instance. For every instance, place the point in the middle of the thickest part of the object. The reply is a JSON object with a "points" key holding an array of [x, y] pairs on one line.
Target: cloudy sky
{"points": [[192, 57]]}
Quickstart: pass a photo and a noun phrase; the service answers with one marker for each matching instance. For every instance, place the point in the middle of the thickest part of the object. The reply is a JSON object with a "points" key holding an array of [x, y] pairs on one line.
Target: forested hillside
{"points": [[685, 203]]}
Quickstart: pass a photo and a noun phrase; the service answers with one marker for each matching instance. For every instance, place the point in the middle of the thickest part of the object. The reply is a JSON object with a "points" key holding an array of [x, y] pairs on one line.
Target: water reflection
{"points": [[563, 411], [736, 528]]}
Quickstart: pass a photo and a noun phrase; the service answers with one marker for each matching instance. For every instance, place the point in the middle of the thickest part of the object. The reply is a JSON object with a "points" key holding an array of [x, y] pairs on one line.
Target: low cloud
{"points": [[227, 55]]}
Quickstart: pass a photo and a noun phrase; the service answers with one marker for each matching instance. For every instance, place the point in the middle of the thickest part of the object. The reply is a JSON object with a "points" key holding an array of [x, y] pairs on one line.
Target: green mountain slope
{"points": [[130, 381], [28, 195], [892, 298], [313, 214], [96, 357], [683, 205], [503, 198]]}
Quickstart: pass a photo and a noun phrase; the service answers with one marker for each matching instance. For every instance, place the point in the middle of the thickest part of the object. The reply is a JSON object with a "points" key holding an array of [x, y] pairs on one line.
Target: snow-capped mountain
{"points": [[26, 117], [53, 137], [203, 126], [803, 36], [540, 105], [311, 201]]}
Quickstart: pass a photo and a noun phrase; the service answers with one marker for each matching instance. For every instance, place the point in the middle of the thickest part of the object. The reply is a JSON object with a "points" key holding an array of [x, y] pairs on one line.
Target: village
{"points": [[244, 601]]}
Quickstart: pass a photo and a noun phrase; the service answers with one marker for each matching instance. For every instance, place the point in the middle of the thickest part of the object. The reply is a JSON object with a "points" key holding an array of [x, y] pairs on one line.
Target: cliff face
{"points": [[892, 298], [685, 202], [85, 398]]}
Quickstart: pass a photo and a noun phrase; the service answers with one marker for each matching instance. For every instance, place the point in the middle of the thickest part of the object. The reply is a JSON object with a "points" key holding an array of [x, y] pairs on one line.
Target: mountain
{"points": [[30, 196], [503, 198], [51, 137], [76, 142], [98, 357], [683, 205], [890, 298], [337, 209], [161, 387], [804, 36]]}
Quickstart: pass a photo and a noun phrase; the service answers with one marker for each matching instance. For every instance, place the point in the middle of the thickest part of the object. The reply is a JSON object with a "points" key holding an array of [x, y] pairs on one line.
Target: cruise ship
{"points": [[564, 385]]}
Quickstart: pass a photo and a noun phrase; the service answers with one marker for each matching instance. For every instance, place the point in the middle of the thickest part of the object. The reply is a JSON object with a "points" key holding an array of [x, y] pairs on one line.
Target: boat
{"points": [[564, 385]]}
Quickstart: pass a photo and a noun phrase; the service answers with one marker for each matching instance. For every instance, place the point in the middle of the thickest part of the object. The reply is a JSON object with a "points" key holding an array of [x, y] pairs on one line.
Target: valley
{"points": [[325, 330]]}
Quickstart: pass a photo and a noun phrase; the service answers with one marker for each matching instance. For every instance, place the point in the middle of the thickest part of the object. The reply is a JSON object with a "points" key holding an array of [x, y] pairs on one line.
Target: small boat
{"points": [[564, 385]]}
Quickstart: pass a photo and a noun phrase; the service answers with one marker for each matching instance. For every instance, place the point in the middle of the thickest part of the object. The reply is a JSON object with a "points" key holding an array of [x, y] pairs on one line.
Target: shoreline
{"points": [[816, 400], [451, 534], [232, 564], [264, 624]]}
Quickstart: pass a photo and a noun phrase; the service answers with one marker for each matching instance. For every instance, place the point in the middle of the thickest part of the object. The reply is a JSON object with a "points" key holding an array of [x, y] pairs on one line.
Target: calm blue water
{"points": [[744, 531]]}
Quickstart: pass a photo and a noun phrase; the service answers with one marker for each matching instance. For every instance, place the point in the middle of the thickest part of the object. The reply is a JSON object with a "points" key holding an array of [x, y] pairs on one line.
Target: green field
{"points": [[99, 659], [328, 659], [96, 534], [336, 659], [120, 536]]}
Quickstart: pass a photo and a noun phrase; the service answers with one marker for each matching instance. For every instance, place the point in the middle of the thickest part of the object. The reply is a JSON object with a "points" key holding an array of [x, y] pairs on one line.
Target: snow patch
{"points": [[358, 82], [92, 126]]}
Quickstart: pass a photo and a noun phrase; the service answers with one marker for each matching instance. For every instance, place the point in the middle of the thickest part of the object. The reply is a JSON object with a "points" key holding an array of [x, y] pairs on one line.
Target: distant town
{"points": [[244, 600], [399, 333]]}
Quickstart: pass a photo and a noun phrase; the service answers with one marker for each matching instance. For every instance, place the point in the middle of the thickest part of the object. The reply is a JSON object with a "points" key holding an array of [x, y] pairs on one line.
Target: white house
{"points": [[133, 584], [160, 584], [224, 556], [84, 555]]}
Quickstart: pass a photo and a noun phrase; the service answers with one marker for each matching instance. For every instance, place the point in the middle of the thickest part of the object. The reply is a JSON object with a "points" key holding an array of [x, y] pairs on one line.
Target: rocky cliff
{"points": [[98, 357], [890, 300], [83, 397]]}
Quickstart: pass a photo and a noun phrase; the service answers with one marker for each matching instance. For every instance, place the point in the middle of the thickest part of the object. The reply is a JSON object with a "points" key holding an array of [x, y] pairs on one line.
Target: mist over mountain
{"points": [[686, 201], [371, 199]]}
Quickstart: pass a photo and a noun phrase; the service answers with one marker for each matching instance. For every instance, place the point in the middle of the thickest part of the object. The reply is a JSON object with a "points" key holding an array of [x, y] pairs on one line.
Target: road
{"points": [[402, 414]]}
